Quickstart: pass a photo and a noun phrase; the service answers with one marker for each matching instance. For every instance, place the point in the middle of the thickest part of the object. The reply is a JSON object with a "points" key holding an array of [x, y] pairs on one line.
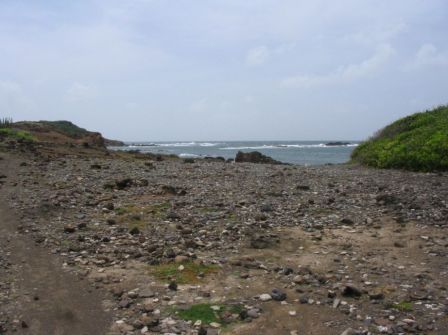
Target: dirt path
{"points": [[45, 299]]}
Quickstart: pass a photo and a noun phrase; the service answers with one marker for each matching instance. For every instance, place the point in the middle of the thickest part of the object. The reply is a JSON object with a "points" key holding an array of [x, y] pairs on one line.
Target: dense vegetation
{"points": [[418, 142], [66, 127]]}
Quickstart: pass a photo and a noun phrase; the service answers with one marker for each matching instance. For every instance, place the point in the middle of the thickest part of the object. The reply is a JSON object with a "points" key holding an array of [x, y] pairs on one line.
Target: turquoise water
{"points": [[295, 152]]}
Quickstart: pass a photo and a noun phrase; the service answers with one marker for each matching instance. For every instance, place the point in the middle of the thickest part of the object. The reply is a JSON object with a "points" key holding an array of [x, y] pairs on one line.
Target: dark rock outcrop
{"points": [[254, 157], [337, 143]]}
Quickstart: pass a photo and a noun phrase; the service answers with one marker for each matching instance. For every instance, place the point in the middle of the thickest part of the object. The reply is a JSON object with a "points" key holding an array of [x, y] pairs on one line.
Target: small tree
{"points": [[6, 122]]}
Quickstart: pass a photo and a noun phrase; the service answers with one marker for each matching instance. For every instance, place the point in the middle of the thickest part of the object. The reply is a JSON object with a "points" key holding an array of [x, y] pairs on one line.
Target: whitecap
{"points": [[187, 155]]}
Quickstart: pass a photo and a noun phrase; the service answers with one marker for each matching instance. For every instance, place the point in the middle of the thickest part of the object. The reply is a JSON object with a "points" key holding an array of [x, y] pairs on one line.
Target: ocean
{"points": [[294, 152]]}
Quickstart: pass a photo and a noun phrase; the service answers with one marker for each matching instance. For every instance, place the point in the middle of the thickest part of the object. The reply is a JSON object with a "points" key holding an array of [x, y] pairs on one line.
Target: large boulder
{"points": [[254, 157]]}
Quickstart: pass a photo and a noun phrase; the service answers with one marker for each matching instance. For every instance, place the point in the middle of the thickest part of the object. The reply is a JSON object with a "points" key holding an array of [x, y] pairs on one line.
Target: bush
{"points": [[16, 134], [418, 142]]}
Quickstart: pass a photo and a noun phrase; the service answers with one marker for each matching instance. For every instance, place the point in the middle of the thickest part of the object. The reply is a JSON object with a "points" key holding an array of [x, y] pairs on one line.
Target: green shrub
{"points": [[418, 142], [16, 134]]}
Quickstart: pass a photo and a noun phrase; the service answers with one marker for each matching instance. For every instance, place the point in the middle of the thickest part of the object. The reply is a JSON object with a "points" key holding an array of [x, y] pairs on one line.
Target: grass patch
{"points": [[231, 217], [203, 312], [131, 215], [208, 210], [207, 314], [404, 306], [418, 142], [158, 211], [16, 134], [123, 210], [191, 274]]}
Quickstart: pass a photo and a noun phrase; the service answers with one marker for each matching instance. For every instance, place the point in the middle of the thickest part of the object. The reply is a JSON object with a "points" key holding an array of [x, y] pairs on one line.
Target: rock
{"points": [[298, 279], [376, 296], [181, 259], [336, 303], [172, 286], [110, 206], [254, 157], [347, 221], [111, 222], [253, 313], [349, 331], [123, 183], [134, 231], [287, 271], [265, 297], [168, 190], [69, 229], [146, 293], [351, 291], [336, 143], [215, 325], [278, 295], [81, 225], [266, 208], [125, 303], [303, 299]]}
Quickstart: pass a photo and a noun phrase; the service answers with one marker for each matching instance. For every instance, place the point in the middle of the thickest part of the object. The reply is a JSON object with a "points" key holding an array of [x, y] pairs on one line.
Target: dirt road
{"points": [[43, 298]]}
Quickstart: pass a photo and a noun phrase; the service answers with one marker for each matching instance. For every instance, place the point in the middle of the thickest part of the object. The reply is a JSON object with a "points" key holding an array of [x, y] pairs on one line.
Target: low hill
{"points": [[418, 142], [56, 132]]}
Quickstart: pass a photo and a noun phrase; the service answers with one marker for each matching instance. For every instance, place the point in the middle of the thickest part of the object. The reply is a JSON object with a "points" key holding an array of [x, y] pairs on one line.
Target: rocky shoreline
{"points": [[212, 247]]}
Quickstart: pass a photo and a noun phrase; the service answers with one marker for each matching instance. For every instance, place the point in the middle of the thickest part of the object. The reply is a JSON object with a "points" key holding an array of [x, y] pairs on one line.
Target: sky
{"points": [[164, 70]]}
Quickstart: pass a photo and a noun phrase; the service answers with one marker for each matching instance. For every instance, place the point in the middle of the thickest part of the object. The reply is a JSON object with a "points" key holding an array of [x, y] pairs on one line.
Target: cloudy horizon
{"points": [[223, 70]]}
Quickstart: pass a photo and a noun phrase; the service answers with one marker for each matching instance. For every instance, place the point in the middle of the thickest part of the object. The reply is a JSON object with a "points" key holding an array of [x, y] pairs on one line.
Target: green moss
{"points": [[203, 312], [207, 314], [191, 273], [418, 142], [16, 134], [404, 306]]}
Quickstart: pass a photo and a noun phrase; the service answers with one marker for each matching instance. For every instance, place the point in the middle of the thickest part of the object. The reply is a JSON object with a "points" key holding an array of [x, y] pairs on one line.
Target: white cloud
{"points": [[344, 74], [80, 92], [428, 55], [257, 56]]}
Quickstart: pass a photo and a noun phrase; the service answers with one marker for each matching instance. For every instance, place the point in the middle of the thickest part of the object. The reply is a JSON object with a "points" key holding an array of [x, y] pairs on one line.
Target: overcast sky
{"points": [[223, 69]]}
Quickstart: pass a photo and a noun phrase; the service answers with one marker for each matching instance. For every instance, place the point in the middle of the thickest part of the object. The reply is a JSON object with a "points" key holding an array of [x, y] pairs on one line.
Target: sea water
{"points": [[294, 152]]}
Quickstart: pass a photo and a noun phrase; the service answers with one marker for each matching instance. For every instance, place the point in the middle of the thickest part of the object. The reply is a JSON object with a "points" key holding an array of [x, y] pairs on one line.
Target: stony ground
{"points": [[174, 247]]}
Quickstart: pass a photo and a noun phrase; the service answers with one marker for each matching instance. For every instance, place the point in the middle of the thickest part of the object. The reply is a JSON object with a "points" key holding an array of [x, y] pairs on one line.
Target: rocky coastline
{"points": [[172, 246]]}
